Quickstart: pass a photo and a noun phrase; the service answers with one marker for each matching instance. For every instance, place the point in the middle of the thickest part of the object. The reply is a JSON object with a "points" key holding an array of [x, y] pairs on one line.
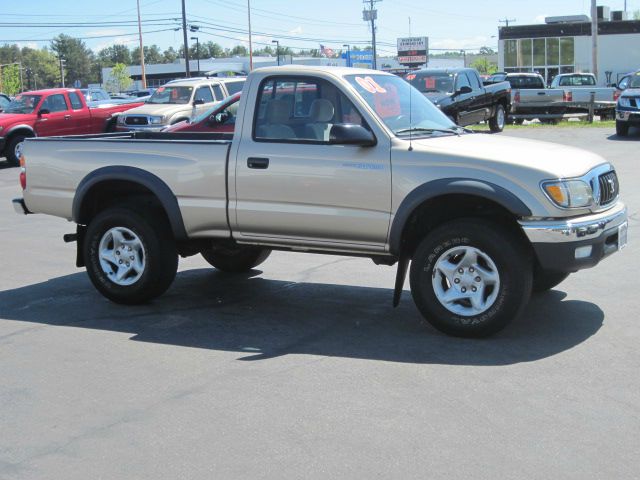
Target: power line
{"points": [[506, 21], [85, 38]]}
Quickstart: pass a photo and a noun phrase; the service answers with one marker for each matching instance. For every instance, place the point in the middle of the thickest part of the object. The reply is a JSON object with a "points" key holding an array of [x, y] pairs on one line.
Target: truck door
{"points": [[293, 186], [464, 100], [481, 101], [57, 120], [80, 116]]}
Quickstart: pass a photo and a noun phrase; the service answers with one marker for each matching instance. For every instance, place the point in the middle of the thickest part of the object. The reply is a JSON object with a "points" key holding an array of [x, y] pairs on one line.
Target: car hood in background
{"points": [[436, 97], [631, 92]]}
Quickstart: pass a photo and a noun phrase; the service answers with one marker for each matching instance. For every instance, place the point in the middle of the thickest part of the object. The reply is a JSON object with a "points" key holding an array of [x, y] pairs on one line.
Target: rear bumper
{"points": [[577, 243], [20, 207]]}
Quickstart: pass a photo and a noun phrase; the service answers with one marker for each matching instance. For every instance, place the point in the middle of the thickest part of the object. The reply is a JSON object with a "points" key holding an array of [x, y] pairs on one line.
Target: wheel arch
{"points": [[126, 179], [450, 196]]}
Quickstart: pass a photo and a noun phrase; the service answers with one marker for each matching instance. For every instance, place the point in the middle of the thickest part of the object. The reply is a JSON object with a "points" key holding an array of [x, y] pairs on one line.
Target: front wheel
{"points": [[131, 256], [496, 123], [622, 128], [470, 278], [236, 259]]}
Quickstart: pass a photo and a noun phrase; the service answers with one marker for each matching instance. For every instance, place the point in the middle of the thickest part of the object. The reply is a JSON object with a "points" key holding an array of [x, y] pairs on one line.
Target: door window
{"points": [[204, 94], [76, 104], [55, 103], [301, 110]]}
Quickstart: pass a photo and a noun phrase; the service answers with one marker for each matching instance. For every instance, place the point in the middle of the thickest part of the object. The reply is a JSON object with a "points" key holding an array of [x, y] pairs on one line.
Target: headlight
{"points": [[120, 120], [624, 101], [157, 120], [569, 193]]}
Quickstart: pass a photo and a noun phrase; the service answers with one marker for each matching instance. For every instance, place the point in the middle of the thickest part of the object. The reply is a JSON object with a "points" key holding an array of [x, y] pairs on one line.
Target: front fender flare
{"points": [[449, 186]]}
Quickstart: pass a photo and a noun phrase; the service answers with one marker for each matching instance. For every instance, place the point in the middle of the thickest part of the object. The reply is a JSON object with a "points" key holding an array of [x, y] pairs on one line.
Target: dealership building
{"points": [[564, 45]]}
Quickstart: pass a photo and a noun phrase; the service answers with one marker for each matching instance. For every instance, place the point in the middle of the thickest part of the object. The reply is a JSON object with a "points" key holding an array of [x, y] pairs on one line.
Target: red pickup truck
{"points": [[52, 112]]}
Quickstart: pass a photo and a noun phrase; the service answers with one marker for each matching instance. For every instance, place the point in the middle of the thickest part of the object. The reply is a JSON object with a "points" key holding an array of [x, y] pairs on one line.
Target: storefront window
{"points": [[511, 53], [566, 51], [524, 49], [553, 51], [538, 51]]}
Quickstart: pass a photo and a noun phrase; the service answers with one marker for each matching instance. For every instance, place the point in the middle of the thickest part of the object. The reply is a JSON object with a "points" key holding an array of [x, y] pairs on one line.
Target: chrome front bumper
{"points": [[140, 128], [575, 229]]}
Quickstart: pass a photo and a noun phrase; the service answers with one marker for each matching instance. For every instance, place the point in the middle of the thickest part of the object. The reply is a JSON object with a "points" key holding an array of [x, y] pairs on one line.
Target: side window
{"points": [[76, 104], [623, 83], [234, 87], [55, 103], [462, 81], [476, 83], [204, 94], [301, 110], [217, 91]]}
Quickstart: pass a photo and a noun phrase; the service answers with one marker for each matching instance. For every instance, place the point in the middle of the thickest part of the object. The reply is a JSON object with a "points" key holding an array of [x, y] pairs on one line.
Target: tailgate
{"points": [[546, 95]]}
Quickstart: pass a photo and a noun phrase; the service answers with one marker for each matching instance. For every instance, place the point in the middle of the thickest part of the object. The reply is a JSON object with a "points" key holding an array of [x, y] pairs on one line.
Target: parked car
{"points": [[220, 119], [495, 77], [4, 101], [95, 95], [530, 99], [56, 111], [177, 101], [360, 164], [578, 89], [460, 94], [147, 92], [628, 106]]}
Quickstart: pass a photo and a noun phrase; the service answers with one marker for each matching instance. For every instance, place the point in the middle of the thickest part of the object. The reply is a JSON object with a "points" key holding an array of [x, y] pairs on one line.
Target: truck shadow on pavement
{"points": [[263, 319]]}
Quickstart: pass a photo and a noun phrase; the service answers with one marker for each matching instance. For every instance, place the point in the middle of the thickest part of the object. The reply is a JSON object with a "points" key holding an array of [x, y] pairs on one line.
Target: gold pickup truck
{"points": [[341, 161]]}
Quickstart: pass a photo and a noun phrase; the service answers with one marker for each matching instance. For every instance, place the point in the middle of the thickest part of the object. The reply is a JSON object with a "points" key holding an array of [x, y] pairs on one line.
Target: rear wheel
{"points": [[131, 256], [14, 149], [469, 277], [235, 259], [496, 123], [622, 128]]}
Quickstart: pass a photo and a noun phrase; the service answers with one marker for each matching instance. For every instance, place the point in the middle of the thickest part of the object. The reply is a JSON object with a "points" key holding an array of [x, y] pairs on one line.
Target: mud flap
{"points": [[401, 273]]}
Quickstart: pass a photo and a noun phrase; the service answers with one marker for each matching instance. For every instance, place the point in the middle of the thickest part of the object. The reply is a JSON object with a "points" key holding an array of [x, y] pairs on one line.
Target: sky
{"points": [[458, 24]]}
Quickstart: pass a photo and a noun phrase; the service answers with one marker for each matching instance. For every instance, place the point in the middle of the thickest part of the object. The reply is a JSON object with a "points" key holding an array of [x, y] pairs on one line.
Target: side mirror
{"points": [[350, 134], [218, 118], [464, 90], [198, 101], [43, 111]]}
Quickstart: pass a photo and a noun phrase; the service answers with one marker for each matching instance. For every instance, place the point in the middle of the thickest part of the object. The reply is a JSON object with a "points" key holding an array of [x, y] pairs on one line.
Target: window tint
{"points": [[217, 91], [525, 81], [55, 103], [293, 109], [76, 104], [4, 101], [462, 81], [204, 94], [577, 81], [234, 87]]}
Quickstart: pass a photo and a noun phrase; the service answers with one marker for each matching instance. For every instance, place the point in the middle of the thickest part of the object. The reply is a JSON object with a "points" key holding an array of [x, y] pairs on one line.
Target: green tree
{"points": [[484, 66], [170, 55], [10, 80], [239, 50], [487, 51], [636, 15], [152, 55], [214, 50], [77, 56], [41, 68], [115, 54], [119, 78]]}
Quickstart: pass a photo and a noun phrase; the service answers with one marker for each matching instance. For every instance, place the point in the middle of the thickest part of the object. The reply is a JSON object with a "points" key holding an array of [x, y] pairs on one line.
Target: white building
{"points": [[564, 45]]}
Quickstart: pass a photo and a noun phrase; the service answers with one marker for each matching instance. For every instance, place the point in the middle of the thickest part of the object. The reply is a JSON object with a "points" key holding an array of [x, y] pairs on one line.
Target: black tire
{"points": [[235, 259], [622, 128], [544, 280], [512, 261], [10, 150], [496, 123], [160, 255]]}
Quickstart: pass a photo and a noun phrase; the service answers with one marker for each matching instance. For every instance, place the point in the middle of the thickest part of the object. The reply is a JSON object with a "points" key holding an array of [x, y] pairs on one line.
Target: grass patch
{"points": [[483, 127]]}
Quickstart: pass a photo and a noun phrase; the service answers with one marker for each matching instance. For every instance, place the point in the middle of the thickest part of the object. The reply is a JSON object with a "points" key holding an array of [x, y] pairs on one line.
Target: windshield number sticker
{"points": [[160, 89], [370, 85], [430, 83]]}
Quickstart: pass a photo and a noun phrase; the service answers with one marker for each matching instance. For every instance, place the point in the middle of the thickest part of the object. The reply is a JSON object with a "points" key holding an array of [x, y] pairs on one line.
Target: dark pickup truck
{"points": [[460, 94]]}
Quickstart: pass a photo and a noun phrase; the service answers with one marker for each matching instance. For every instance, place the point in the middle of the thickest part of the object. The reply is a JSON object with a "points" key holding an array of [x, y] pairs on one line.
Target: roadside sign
{"points": [[413, 51], [359, 58]]}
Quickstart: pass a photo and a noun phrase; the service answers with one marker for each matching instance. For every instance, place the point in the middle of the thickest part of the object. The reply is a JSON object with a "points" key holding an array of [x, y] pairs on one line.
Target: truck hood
{"points": [[8, 119], [631, 92], [436, 97], [160, 109], [503, 153]]}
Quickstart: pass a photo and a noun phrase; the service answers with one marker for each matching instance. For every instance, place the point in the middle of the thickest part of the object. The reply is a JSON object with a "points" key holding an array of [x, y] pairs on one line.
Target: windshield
{"points": [[634, 82], [431, 82], [23, 104], [180, 95], [390, 96]]}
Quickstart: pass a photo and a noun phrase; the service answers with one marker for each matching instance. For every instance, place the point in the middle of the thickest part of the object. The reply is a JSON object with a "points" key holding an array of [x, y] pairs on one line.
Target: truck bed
{"points": [[192, 165]]}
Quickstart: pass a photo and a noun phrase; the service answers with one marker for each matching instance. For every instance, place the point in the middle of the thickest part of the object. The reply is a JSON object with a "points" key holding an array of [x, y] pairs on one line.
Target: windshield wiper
{"points": [[452, 130]]}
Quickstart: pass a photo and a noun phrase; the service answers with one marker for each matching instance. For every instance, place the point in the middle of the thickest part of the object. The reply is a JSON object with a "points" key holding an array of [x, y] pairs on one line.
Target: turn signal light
{"points": [[23, 179], [556, 193]]}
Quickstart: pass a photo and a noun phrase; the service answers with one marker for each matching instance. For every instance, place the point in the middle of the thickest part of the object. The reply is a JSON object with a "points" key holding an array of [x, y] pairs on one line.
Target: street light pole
{"points": [[277, 49], [348, 54], [144, 75], [250, 43], [197, 51]]}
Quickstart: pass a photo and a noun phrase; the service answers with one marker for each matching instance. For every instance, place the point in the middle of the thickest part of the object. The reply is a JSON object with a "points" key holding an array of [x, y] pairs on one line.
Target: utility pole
{"points": [[506, 21], [197, 51], [250, 46], [144, 75], [348, 54], [62, 62], [186, 44], [277, 42], [594, 38], [371, 15]]}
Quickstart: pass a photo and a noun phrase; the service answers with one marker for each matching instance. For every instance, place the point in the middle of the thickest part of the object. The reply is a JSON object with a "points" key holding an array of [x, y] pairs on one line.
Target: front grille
{"points": [[609, 188], [131, 120]]}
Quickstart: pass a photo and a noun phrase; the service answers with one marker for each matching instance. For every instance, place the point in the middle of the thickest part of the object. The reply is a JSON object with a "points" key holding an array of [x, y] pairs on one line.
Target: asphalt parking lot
{"points": [[304, 370]]}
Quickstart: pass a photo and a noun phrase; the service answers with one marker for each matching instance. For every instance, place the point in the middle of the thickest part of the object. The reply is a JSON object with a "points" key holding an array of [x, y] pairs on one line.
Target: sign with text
{"points": [[413, 51]]}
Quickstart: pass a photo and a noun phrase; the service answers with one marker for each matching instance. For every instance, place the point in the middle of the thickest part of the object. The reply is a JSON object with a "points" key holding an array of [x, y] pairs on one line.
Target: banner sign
{"points": [[413, 51]]}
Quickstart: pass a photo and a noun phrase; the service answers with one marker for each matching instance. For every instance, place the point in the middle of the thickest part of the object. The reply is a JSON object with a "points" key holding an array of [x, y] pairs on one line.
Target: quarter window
{"points": [[204, 94], [76, 104], [217, 91]]}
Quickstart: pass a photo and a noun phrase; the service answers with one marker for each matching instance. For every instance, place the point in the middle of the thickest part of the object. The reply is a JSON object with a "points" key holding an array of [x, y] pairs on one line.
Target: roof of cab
{"points": [[302, 69], [49, 91]]}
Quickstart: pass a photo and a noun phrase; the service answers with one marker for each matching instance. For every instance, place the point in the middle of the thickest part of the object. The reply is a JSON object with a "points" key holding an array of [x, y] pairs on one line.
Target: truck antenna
{"points": [[410, 108]]}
